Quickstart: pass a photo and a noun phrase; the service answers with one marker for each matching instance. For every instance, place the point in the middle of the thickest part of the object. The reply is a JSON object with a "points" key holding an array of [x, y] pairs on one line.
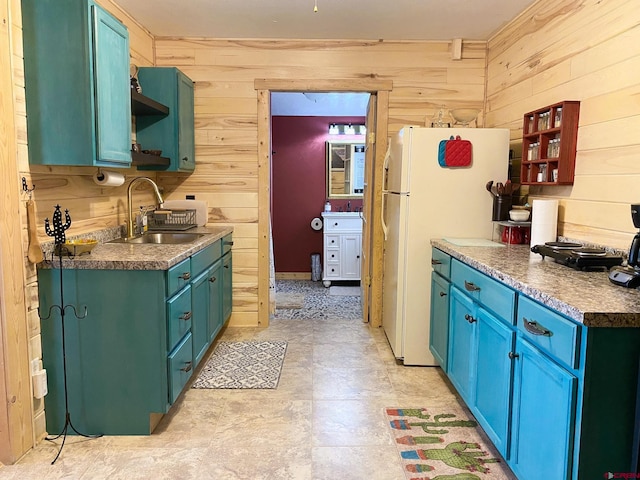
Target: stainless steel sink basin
{"points": [[161, 238]]}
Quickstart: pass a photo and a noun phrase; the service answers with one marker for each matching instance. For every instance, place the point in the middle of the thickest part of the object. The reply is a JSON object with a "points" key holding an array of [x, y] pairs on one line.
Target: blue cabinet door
{"points": [[462, 322], [112, 90], [542, 417], [215, 299], [495, 342], [200, 308], [186, 133], [227, 287], [439, 324]]}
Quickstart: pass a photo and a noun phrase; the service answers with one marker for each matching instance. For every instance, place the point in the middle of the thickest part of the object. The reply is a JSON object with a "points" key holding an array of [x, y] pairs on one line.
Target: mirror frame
{"points": [[330, 146]]}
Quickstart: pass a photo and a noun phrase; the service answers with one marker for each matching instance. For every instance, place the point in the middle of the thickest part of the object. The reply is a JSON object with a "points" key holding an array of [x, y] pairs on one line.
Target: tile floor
{"points": [[324, 421]]}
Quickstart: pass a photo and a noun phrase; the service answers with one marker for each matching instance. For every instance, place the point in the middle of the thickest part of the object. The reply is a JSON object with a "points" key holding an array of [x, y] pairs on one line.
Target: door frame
{"points": [[381, 89]]}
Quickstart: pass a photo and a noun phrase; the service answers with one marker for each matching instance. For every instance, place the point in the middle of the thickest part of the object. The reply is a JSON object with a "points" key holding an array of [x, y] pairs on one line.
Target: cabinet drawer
{"points": [[548, 330], [332, 255], [205, 257], [178, 317], [331, 241], [351, 224], [227, 243], [180, 367], [441, 262], [332, 270], [490, 293], [178, 276]]}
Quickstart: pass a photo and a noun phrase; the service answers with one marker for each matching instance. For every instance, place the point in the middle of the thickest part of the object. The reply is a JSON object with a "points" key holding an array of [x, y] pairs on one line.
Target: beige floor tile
{"points": [[246, 423], [257, 462], [351, 422], [357, 463]]}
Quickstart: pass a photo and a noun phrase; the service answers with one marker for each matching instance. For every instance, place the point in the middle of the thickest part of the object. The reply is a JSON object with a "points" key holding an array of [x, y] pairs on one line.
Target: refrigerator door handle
{"points": [[385, 166]]}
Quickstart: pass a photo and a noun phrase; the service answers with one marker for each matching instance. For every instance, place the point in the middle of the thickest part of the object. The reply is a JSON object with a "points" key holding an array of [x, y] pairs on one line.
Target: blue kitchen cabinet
{"points": [[462, 343], [543, 416], [215, 300], [227, 281], [144, 334], [439, 314], [76, 62], [439, 324], [173, 133], [493, 375]]}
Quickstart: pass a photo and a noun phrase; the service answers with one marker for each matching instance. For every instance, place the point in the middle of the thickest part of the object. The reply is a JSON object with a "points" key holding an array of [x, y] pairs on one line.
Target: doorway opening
{"points": [[313, 165], [377, 117]]}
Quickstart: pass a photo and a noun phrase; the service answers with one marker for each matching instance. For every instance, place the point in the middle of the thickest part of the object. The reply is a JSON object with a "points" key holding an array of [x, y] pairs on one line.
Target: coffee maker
{"points": [[629, 276]]}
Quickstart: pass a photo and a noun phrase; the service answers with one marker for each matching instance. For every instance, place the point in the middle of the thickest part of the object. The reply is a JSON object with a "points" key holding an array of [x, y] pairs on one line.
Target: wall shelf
{"points": [[549, 138], [143, 105], [145, 159]]}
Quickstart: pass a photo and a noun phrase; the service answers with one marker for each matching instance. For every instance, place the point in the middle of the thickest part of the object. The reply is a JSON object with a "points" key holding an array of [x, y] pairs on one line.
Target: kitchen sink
{"points": [[161, 238]]}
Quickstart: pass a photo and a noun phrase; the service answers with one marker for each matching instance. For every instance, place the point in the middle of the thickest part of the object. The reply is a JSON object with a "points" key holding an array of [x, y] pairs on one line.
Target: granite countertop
{"points": [[130, 256], [586, 297]]}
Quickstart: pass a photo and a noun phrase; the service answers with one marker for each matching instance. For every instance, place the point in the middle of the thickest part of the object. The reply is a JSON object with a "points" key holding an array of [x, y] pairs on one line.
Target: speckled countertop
{"points": [[130, 256], [587, 297]]}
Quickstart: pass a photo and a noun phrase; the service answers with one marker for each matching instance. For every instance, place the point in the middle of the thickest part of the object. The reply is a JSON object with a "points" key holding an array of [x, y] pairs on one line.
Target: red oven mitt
{"points": [[457, 153]]}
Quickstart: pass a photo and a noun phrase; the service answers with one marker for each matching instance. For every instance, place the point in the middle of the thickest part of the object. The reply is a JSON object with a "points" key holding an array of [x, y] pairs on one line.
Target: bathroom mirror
{"points": [[345, 169]]}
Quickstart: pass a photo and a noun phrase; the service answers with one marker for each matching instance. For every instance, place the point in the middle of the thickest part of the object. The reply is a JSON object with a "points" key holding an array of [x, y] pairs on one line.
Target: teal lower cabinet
{"points": [[543, 416], [557, 398], [144, 333], [439, 315]]}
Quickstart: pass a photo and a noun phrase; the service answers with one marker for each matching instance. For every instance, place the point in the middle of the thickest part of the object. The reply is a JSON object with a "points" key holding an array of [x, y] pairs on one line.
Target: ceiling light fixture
{"points": [[315, 7]]}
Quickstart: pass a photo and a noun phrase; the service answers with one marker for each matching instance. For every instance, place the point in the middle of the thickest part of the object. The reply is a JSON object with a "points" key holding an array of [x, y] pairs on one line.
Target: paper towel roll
{"points": [[544, 221], [316, 223], [108, 179]]}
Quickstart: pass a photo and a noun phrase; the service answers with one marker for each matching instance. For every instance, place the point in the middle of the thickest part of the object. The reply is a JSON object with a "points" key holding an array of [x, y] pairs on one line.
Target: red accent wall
{"points": [[299, 187]]}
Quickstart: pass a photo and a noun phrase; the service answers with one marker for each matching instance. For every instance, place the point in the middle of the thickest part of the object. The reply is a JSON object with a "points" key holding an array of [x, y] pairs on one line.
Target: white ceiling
{"points": [[335, 19]]}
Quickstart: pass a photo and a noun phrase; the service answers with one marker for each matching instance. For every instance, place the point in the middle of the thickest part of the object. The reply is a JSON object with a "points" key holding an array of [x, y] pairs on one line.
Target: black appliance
{"points": [[629, 276], [577, 256]]}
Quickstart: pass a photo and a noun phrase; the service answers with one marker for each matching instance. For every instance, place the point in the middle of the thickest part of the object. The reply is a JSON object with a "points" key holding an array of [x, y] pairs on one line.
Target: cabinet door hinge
{"points": [[371, 138], [367, 281]]}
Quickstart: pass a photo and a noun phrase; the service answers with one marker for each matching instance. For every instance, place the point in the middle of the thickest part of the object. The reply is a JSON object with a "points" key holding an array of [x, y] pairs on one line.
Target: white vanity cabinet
{"points": [[342, 246]]}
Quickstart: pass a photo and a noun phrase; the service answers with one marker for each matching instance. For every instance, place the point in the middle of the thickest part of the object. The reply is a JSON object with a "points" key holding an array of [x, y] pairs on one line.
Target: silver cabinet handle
{"points": [[435, 262], [513, 355], [212, 279], [186, 316], [469, 318], [187, 367], [471, 287], [442, 294], [535, 328], [185, 276]]}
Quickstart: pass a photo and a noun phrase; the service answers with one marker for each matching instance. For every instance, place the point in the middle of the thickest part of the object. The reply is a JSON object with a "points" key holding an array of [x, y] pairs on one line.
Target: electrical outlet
{"points": [[190, 197]]}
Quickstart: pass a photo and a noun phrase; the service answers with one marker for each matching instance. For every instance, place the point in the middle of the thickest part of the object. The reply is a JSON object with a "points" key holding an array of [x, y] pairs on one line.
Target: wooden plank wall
{"points": [[92, 207], [424, 78], [585, 50]]}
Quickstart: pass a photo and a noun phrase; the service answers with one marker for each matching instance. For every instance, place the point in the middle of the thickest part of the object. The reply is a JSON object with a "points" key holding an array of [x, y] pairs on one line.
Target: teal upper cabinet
{"points": [[174, 133], [76, 62]]}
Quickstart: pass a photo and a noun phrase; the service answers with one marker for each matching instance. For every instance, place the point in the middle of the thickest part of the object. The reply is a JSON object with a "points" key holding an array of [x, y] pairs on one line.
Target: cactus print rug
{"points": [[444, 444]]}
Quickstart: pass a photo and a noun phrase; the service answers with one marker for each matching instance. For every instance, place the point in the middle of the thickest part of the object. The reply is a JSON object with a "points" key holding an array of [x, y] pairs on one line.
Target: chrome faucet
{"points": [[130, 232]]}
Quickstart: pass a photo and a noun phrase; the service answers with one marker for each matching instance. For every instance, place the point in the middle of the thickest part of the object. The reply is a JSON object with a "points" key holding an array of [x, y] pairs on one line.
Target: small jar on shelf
{"points": [[543, 121], [557, 119], [530, 124]]}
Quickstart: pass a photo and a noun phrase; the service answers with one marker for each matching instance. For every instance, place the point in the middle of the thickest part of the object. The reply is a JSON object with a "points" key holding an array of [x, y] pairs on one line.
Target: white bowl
{"points": [[464, 115], [519, 215]]}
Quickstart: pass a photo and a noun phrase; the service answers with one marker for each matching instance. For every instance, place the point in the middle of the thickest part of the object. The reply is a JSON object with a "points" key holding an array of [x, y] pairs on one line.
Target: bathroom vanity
{"points": [[342, 249]]}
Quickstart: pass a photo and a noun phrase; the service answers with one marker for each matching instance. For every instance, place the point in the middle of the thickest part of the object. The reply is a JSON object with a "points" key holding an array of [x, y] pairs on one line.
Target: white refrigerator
{"points": [[423, 200]]}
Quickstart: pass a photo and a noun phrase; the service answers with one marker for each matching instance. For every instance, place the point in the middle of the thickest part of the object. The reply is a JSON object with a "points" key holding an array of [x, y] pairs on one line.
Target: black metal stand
{"points": [[59, 240]]}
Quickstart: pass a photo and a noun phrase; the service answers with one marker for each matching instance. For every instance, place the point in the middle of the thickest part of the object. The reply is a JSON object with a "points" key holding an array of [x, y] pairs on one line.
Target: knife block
{"points": [[501, 207]]}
